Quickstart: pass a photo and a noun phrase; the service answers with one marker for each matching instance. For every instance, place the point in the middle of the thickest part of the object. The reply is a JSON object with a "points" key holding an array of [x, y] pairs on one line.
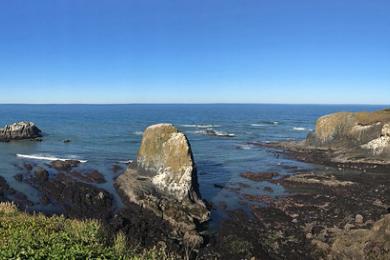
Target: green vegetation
{"points": [[26, 236]]}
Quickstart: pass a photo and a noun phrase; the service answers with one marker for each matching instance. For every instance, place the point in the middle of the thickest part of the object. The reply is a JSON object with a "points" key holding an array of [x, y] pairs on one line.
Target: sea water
{"points": [[103, 135]]}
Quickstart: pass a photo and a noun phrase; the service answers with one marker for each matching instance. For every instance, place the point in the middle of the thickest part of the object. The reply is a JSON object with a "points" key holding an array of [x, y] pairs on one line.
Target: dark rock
{"points": [[41, 174], [9, 194], [95, 176], [67, 141], [92, 176], [117, 168], [76, 198], [64, 165], [19, 177], [44, 200], [20, 131], [218, 186], [261, 176], [28, 166], [268, 189]]}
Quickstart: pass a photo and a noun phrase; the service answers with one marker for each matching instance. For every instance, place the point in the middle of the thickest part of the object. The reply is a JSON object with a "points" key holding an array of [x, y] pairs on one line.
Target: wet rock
{"points": [[20, 131], [268, 189], [92, 176], [261, 176], [7, 193], [19, 177], [313, 179], [117, 168], [44, 200], [164, 180], [76, 198], [41, 174], [67, 141], [218, 186], [28, 166], [64, 165]]}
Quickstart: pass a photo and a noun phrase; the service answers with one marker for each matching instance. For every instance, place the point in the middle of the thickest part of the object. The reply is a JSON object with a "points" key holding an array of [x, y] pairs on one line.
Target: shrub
{"points": [[35, 236]]}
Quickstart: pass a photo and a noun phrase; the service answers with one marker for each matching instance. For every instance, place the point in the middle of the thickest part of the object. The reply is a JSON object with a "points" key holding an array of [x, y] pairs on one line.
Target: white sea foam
{"points": [[138, 133], [221, 133], [126, 162], [45, 157], [200, 126], [300, 129], [265, 123], [245, 146]]}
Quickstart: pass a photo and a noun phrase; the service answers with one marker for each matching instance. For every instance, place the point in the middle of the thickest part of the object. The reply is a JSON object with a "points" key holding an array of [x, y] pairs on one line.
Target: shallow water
{"points": [[107, 134]]}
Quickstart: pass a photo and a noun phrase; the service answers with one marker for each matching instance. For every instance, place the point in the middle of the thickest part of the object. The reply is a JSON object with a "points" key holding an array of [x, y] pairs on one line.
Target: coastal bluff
{"points": [[354, 138], [19, 131], [163, 179]]}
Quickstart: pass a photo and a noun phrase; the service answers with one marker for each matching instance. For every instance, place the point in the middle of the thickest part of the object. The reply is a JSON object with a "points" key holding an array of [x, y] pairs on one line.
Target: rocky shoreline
{"points": [[338, 209]]}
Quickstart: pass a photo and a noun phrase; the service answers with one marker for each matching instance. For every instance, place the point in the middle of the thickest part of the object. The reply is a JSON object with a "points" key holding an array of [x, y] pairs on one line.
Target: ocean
{"points": [[104, 135]]}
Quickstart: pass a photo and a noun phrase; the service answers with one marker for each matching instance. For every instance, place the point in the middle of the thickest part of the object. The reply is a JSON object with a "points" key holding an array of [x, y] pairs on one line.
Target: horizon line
{"points": [[202, 103]]}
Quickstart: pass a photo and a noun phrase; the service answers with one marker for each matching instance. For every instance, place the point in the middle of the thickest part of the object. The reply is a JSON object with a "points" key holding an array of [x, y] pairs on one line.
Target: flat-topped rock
{"points": [[362, 137], [20, 131], [351, 128], [164, 179]]}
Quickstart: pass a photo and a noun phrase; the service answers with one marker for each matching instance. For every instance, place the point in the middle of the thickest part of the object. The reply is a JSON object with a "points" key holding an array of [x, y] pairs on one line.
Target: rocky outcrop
{"points": [[19, 131], [371, 243], [347, 138], [351, 128], [164, 180]]}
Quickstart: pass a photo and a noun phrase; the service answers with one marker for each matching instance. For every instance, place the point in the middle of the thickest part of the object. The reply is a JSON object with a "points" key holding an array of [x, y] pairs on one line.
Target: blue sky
{"points": [[195, 51]]}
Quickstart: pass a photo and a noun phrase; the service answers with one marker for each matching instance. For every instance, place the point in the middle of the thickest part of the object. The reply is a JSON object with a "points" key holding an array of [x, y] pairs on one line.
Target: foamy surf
{"points": [[265, 123], [300, 129], [45, 158], [126, 162], [200, 126]]}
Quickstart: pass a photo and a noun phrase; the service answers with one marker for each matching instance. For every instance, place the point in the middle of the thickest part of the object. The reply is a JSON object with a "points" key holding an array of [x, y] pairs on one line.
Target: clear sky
{"points": [[195, 51]]}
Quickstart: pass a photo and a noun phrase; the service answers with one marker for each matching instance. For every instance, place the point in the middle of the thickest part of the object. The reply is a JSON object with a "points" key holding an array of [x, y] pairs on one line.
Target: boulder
{"points": [[64, 165], [164, 180], [20, 131]]}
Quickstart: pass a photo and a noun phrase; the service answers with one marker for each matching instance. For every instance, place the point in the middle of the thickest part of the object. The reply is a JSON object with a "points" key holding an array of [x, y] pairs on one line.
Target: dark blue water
{"points": [[107, 134]]}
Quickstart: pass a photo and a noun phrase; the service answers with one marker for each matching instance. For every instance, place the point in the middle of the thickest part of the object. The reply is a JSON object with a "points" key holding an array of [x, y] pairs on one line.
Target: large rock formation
{"points": [[163, 179], [19, 131], [353, 137]]}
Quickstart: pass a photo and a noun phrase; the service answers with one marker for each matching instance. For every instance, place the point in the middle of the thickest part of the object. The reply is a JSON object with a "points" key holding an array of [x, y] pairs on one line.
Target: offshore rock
{"points": [[20, 131], [163, 179]]}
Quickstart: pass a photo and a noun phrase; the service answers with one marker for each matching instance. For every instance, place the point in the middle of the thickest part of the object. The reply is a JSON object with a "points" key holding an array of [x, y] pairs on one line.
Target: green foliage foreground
{"points": [[26, 236]]}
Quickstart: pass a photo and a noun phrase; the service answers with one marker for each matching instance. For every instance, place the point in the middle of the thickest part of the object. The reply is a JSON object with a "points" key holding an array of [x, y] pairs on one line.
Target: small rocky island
{"points": [[19, 131]]}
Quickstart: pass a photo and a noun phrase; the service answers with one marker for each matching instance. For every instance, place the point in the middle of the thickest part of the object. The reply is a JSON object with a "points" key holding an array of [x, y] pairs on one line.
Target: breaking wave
{"points": [[46, 157]]}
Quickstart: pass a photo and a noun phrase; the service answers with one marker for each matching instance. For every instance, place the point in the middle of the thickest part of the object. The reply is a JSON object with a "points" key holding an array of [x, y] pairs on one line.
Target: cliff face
{"points": [[366, 132]]}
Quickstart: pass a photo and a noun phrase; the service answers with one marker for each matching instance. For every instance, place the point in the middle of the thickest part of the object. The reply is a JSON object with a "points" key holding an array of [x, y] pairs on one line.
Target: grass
{"points": [[35, 236]]}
